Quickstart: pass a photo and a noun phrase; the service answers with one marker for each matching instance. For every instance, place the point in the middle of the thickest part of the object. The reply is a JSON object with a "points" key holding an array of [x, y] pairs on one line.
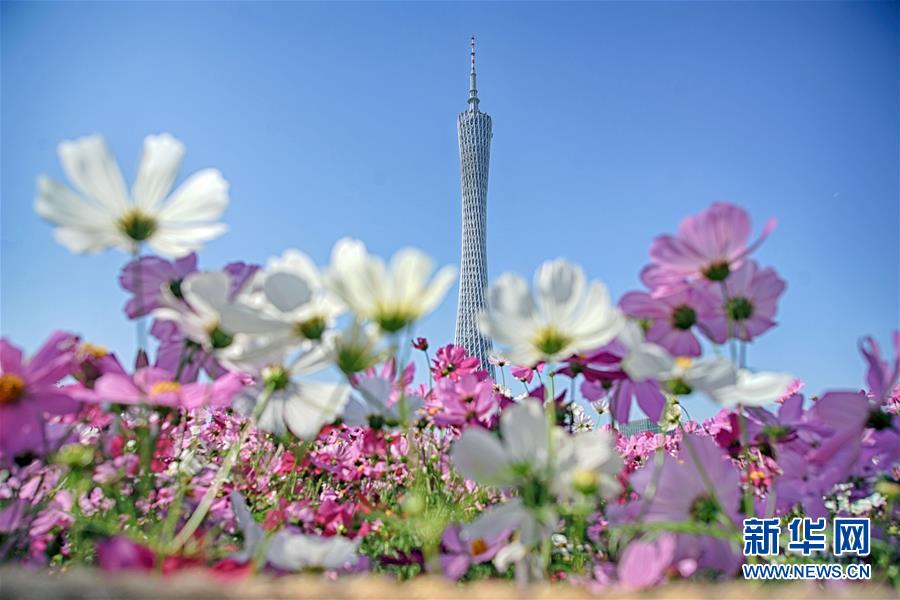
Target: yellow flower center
{"points": [[137, 225], [478, 546], [11, 388], [585, 481], [550, 340], [757, 476], [684, 362], [164, 387], [93, 350]]}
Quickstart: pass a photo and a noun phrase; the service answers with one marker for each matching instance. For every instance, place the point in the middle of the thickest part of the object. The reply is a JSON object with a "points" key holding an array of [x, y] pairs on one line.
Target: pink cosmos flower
{"points": [[388, 372], [155, 386], [682, 494], [29, 392], [145, 277], [467, 401], [882, 376], [526, 374], [451, 361], [459, 554], [175, 351], [748, 303], [647, 395], [674, 316], [612, 383], [708, 245], [644, 563]]}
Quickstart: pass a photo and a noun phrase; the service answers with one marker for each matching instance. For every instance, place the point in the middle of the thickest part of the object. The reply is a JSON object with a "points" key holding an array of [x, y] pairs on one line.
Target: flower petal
{"points": [[157, 171]]}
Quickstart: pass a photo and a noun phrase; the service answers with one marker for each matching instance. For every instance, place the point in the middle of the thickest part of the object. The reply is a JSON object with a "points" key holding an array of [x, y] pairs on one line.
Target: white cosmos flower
{"points": [[101, 213], [567, 316], [206, 313], [291, 307], [585, 463], [394, 296], [372, 401], [288, 550], [299, 406]]}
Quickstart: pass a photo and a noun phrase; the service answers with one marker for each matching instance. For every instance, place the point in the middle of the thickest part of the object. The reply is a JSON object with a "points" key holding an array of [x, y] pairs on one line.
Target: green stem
{"points": [[710, 487], [206, 503]]}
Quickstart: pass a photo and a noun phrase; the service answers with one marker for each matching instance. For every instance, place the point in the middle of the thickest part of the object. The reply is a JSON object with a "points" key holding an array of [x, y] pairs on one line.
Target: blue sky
{"points": [[612, 121]]}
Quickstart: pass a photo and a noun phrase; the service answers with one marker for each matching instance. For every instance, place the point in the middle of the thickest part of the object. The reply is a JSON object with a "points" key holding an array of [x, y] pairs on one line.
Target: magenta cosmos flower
{"points": [[453, 362], [708, 245], [156, 386], [673, 317], [29, 392], [145, 278], [748, 301]]}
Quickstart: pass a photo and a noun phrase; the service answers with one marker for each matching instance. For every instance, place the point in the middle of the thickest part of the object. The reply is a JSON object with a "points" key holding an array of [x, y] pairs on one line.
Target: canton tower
{"points": [[474, 129]]}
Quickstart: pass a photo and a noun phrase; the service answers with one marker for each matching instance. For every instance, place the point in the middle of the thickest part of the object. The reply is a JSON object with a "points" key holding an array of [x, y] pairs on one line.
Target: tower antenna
{"points": [[473, 92]]}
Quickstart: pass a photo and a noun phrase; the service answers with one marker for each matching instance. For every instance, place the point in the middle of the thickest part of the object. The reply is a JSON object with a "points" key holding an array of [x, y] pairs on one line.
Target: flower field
{"points": [[282, 431]]}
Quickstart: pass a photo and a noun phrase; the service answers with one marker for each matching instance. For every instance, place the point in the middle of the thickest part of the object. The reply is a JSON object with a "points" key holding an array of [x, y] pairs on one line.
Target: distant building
{"points": [[474, 129], [639, 426]]}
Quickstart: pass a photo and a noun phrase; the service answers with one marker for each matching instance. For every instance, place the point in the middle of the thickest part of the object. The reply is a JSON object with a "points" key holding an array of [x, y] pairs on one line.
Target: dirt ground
{"points": [[22, 584]]}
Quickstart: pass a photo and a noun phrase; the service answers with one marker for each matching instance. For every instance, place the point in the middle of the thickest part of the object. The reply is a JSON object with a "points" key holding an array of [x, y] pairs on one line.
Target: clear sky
{"points": [[612, 121]]}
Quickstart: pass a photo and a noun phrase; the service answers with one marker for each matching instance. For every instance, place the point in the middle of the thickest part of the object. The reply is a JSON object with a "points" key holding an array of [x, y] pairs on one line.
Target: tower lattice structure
{"points": [[474, 128]]}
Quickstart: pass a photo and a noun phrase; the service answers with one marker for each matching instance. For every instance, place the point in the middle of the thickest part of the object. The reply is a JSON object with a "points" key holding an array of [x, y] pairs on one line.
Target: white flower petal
{"points": [[287, 291], [157, 171], [203, 197], [524, 430], [508, 516], [753, 389], [479, 456], [560, 287], [178, 242], [315, 404], [510, 294], [90, 166]]}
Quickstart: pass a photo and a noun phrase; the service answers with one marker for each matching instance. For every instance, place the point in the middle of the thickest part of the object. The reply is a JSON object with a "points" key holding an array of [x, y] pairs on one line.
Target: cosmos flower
{"points": [[372, 405], [206, 312], [102, 214], [881, 376], [708, 245], [526, 374], [145, 277], [748, 300], [29, 392], [460, 552], [584, 463], [157, 387], [702, 487], [298, 405], [118, 553], [730, 386], [393, 296], [289, 550], [466, 401], [567, 316], [674, 317], [290, 306], [644, 563], [452, 361]]}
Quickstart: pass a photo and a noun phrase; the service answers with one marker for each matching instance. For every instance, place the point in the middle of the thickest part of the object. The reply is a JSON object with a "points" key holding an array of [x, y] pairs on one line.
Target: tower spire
{"points": [[473, 92]]}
